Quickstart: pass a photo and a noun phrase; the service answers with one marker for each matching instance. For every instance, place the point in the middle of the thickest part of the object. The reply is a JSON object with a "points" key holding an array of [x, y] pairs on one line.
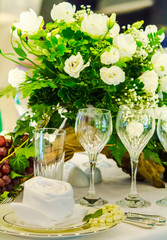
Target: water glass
{"points": [[49, 152]]}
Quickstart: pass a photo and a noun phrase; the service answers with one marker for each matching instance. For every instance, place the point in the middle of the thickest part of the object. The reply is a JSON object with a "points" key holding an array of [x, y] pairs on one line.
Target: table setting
{"points": [[108, 83]]}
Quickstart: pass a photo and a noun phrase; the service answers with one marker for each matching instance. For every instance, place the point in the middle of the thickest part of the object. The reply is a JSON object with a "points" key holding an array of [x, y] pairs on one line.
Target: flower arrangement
{"points": [[82, 58]]}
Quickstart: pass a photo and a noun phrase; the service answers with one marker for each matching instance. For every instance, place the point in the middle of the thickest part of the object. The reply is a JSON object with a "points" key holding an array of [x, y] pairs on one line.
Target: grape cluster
{"points": [[6, 183]]}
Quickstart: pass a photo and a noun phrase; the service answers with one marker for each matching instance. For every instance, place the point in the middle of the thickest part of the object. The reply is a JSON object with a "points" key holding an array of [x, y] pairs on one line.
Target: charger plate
{"points": [[9, 224]]}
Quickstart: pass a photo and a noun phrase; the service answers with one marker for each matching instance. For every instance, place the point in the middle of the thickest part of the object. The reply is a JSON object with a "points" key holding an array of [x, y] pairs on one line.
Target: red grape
{"points": [[8, 143], [5, 169], [3, 152], [6, 179], [10, 187], [6, 161], [2, 183], [2, 141], [3, 189], [15, 181]]}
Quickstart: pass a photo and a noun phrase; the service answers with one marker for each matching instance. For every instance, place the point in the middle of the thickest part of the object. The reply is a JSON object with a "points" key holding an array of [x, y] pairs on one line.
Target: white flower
{"points": [[153, 29], [150, 80], [29, 22], [74, 65], [126, 44], [159, 61], [163, 86], [113, 75], [16, 77], [63, 11], [110, 57], [94, 24], [114, 31], [134, 128], [159, 111]]}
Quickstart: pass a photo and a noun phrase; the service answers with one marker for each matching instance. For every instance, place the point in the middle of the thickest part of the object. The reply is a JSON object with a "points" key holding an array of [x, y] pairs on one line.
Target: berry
{"points": [[6, 179], [3, 152], [8, 143], [2, 141], [5, 169], [2, 183]]}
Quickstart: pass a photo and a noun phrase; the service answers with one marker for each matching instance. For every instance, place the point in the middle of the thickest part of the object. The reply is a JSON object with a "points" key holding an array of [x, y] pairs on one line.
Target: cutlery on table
{"points": [[158, 220]]}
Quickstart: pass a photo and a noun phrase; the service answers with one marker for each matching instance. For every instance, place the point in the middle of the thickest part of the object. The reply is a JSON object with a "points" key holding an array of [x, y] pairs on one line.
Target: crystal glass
{"points": [[93, 128], [49, 152], [135, 126], [162, 135]]}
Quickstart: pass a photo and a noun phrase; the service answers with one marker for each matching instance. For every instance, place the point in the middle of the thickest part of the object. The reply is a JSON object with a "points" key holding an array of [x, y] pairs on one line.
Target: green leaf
{"points": [[4, 195], [96, 214], [19, 163], [29, 152], [63, 93], [14, 175], [61, 49], [20, 52]]}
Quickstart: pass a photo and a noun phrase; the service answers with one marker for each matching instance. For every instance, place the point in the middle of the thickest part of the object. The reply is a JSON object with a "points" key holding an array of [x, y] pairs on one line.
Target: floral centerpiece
{"points": [[79, 59]]}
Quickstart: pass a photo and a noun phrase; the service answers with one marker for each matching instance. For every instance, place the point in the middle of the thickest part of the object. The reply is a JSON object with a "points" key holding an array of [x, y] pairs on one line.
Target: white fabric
{"points": [[47, 202]]}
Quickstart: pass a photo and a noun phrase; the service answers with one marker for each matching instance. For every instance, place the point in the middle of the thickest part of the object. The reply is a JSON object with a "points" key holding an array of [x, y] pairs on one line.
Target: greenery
{"points": [[55, 93]]}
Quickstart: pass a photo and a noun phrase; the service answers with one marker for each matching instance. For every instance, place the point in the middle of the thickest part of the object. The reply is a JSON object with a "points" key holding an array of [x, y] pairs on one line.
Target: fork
{"points": [[7, 200]]}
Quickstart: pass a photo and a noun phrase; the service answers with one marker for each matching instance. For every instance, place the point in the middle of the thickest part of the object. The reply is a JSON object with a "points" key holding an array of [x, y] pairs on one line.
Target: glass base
{"points": [[162, 202], [91, 202], [133, 202]]}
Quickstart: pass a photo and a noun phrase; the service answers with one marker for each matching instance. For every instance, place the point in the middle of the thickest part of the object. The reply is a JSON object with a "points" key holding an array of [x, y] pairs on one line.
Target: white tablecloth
{"points": [[116, 185]]}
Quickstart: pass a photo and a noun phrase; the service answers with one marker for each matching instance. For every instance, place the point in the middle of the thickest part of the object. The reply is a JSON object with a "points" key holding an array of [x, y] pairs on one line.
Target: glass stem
{"points": [[91, 192], [133, 190]]}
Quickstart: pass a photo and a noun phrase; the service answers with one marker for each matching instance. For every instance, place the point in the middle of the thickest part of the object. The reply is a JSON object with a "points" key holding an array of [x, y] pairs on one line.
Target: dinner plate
{"points": [[9, 224]]}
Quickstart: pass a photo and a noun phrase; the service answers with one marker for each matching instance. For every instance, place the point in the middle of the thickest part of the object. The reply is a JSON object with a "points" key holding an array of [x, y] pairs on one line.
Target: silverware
{"points": [[7, 200], [144, 223], [159, 220]]}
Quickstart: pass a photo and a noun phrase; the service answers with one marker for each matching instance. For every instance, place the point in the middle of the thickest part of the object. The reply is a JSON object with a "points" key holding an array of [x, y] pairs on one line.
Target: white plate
{"points": [[9, 225]]}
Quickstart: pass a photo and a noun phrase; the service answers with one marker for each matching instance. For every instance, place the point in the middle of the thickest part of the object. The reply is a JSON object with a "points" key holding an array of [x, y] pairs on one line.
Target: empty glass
{"points": [[49, 151], [135, 126], [93, 128], [162, 134]]}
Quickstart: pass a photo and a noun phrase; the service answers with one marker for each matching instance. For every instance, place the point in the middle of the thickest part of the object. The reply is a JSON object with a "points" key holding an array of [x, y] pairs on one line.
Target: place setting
{"points": [[91, 100]]}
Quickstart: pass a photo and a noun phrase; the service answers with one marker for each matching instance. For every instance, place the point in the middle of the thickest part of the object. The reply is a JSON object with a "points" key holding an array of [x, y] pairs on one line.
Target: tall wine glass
{"points": [[162, 135], [135, 126], [93, 128]]}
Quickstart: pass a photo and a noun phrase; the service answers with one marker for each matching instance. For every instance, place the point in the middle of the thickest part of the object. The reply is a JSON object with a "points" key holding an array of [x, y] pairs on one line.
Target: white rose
{"points": [[163, 86], [153, 29], [159, 61], [160, 110], [134, 128], [63, 11], [29, 22], [110, 57], [113, 75], [126, 44], [114, 31], [94, 24], [150, 80], [16, 77], [74, 65]]}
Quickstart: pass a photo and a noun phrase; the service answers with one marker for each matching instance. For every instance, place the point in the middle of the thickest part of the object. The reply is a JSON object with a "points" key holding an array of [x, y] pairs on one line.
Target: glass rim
{"points": [[59, 132], [105, 110], [135, 107]]}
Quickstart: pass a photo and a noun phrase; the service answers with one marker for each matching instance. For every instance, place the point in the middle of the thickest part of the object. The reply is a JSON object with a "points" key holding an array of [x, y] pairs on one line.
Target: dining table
{"points": [[115, 185]]}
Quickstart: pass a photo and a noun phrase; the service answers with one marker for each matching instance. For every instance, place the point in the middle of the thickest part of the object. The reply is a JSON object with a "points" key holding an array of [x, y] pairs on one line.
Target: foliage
{"points": [[55, 91]]}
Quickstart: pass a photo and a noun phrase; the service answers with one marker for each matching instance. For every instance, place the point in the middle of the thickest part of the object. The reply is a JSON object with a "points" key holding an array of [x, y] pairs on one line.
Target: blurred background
{"points": [[128, 11]]}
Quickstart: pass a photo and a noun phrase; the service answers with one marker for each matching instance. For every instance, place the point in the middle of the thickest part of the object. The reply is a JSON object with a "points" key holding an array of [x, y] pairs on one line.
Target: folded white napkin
{"points": [[46, 203]]}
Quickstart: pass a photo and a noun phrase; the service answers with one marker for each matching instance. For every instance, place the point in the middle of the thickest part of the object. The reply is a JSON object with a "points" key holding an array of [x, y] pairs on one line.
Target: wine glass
{"points": [[135, 125], [93, 128], [162, 135]]}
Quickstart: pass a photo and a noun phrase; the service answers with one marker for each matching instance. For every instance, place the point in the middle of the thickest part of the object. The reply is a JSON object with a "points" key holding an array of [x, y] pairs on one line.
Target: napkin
{"points": [[46, 203]]}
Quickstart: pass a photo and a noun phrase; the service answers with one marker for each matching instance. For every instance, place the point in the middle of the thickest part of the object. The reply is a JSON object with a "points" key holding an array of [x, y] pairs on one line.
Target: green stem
{"points": [[10, 155]]}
